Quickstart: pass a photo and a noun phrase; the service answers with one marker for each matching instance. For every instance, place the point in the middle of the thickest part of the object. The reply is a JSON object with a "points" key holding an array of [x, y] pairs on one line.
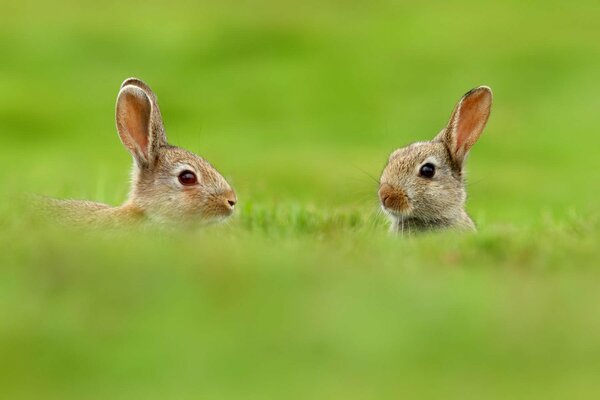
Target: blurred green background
{"points": [[303, 294]]}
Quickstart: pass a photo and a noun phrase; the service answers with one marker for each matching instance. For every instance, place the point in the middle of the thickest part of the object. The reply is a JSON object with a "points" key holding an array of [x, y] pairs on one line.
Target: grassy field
{"points": [[303, 294]]}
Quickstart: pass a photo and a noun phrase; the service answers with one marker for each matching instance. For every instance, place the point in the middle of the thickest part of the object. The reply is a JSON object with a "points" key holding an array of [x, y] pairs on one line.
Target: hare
{"points": [[422, 186], [169, 184]]}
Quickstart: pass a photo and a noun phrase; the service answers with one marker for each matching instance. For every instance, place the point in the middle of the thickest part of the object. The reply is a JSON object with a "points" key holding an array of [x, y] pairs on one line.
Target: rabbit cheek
{"points": [[209, 206], [193, 200], [441, 199]]}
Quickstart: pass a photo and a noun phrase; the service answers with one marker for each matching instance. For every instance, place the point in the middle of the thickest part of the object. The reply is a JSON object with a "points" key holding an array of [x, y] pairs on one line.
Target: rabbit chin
{"points": [[200, 217], [399, 219], [396, 215]]}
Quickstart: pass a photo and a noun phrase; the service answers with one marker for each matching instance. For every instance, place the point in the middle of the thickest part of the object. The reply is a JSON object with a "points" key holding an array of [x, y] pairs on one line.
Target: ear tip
{"points": [[133, 81], [481, 88], [130, 93], [486, 88], [480, 93], [132, 90]]}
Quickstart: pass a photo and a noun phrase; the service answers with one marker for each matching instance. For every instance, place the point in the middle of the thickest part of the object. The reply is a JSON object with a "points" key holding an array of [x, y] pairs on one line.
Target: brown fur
{"points": [[416, 203], [156, 193]]}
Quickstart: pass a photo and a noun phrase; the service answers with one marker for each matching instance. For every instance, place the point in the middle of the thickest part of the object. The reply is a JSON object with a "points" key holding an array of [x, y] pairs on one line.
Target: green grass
{"points": [[303, 294]]}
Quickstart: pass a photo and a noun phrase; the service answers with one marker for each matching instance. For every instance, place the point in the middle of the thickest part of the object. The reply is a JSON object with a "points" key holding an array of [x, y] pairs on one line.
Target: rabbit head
{"points": [[169, 184], [422, 186]]}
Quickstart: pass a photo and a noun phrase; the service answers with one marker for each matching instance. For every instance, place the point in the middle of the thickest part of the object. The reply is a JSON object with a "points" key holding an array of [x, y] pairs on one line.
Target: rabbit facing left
{"points": [[422, 187], [168, 184]]}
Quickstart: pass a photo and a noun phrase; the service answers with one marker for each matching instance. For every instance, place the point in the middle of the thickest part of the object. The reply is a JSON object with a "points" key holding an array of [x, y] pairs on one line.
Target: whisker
{"points": [[402, 229], [476, 181], [366, 173]]}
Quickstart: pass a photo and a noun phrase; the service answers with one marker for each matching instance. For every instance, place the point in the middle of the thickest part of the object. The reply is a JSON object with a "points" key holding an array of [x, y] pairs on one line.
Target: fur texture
{"points": [[415, 202], [156, 193]]}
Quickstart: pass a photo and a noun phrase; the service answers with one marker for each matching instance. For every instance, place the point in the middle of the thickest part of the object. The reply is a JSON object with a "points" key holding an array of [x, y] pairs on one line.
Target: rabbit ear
{"points": [[140, 84], [139, 122], [467, 122]]}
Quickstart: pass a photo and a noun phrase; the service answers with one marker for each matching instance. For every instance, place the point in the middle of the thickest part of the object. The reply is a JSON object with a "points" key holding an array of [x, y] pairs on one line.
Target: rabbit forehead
{"points": [[406, 158], [174, 158]]}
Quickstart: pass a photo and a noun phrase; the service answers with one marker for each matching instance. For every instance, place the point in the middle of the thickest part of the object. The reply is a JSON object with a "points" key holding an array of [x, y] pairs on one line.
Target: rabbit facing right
{"points": [[422, 186], [169, 185]]}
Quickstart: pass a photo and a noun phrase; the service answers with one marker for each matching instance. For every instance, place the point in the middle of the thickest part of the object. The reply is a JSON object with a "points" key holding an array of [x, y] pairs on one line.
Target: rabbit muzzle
{"points": [[393, 199]]}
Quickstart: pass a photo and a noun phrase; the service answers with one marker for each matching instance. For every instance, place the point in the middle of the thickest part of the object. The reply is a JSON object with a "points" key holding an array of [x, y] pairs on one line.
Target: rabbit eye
{"points": [[187, 178], [427, 170]]}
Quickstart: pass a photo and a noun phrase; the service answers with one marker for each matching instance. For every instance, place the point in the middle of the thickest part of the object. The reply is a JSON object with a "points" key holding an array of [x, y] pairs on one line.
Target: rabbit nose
{"points": [[231, 199], [392, 198]]}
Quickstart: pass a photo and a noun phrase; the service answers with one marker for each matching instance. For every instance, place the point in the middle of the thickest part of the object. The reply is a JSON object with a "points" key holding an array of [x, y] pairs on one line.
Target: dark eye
{"points": [[427, 170], [187, 178]]}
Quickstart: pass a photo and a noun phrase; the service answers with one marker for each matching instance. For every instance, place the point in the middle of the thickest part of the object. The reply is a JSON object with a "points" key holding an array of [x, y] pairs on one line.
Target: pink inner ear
{"points": [[473, 115], [136, 115]]}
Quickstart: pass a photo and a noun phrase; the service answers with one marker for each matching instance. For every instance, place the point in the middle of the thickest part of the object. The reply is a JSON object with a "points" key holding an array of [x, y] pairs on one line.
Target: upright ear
{"points": [[139, 122], [466, 123]]}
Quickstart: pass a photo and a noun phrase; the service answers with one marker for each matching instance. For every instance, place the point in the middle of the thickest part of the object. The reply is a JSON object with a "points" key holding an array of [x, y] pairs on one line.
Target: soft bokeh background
{"points": [[303, 294]]}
